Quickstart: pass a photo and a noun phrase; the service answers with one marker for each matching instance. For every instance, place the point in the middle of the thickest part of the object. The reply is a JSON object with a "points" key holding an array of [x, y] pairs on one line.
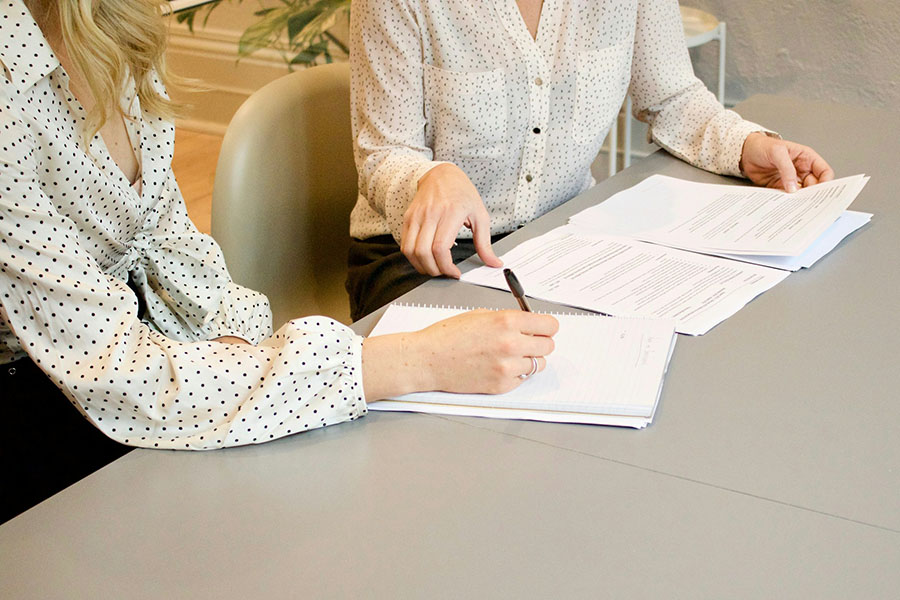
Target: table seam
{"points": [[676, 476]]}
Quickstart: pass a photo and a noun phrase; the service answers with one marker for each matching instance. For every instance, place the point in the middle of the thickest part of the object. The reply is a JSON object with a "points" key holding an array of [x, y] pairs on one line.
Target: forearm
{"points": [[145, 389], [392, 365], [684, 117], [694, 127], [390, 150], [391, 186], [478, 352], [157, 393]]}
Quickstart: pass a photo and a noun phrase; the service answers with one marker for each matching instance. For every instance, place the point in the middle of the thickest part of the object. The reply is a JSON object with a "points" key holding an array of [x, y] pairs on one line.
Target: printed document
{"points": [[846, 224], [715, 218], [628, 278]]}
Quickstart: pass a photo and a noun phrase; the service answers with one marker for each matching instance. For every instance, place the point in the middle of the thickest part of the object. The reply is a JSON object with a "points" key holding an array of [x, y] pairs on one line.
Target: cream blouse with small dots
{"points": [[524, 118], [74, 232]]}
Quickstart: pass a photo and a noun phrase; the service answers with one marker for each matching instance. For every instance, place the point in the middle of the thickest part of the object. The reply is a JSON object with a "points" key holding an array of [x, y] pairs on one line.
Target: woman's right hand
{"points": [[445, 200], [485, 351], [481, 351]]}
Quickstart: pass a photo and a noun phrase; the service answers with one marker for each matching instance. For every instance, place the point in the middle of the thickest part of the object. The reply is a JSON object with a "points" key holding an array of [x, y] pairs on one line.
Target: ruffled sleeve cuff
{"points": [[243, 313], [322, 358]]}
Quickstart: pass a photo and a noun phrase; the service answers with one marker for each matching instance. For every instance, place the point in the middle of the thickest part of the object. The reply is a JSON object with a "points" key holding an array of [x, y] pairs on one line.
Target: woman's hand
{"points": [[481, 351], [776, 163], [445, 201]]}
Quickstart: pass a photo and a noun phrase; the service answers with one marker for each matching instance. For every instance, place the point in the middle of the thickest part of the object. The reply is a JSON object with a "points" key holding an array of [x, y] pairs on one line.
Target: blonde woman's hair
{"points": [[109, 40]]}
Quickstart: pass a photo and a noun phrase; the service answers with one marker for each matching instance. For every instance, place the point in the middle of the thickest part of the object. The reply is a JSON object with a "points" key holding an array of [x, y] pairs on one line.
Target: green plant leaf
{"points": [[308, 55], [323, 21], [264, 33], [187, 16], [300, 27], [343, 47], [297, 22]]}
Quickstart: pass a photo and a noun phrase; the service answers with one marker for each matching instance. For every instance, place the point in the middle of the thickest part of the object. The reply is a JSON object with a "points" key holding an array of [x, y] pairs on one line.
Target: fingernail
{"points": [[792, 187]]}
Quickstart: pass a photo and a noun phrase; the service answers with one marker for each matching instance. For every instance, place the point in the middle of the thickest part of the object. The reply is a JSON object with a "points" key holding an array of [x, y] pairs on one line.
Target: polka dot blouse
{"points": [[73, 234], [464, 82]]}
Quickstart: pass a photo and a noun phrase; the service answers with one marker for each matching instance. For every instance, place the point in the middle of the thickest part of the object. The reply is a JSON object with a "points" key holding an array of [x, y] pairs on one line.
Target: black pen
{"points": [[516, 288]]}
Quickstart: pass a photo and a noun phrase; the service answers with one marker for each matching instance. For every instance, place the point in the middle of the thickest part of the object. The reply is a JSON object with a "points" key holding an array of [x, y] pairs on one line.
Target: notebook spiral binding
{"points": [[468, 308]]}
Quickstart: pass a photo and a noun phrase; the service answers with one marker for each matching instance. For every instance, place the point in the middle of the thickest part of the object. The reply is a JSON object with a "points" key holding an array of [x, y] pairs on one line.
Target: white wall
{"points": [[845, 51]]}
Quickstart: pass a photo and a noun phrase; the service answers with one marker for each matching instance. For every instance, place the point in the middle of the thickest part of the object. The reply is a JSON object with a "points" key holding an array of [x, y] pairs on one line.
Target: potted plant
{"points": [[300, 29]]}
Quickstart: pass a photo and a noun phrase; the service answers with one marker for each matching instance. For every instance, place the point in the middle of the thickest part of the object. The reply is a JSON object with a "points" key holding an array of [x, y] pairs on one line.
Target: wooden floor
{"points": [[194, 164]]}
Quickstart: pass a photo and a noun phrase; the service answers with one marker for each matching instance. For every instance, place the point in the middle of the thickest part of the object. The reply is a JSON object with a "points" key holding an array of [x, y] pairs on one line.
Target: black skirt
{"points": [[377, 271], [46, 444]]}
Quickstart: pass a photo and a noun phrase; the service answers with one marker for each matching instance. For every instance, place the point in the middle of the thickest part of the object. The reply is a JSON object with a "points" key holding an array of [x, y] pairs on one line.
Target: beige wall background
{"points": [[842, 51], [209, 54]]}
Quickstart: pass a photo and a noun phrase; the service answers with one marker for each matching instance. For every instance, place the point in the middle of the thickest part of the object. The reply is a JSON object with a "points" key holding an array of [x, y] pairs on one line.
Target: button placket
{"points": [[537, 75], [536, 142], [535, 147]]}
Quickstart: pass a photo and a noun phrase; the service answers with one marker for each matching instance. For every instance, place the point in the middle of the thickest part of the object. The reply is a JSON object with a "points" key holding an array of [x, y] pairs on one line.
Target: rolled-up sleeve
{"points": [[140, 387], [684, 117], [387, 106]]}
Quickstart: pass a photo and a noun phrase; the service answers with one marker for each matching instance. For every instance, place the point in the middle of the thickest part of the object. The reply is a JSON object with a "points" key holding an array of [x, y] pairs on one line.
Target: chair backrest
{"points": [[285, 184]]}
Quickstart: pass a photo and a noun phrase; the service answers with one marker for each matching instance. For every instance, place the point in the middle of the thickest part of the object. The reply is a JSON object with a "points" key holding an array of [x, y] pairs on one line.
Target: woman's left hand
{"points": [[776, 163]]}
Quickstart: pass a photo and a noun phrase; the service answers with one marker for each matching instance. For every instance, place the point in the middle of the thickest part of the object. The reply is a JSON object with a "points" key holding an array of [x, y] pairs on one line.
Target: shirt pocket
{"points": [[601, 84], [466, 112]]}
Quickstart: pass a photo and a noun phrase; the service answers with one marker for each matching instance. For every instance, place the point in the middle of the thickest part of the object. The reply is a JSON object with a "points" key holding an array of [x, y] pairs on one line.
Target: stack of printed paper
{"points": [[761, 225], [646, 251]]}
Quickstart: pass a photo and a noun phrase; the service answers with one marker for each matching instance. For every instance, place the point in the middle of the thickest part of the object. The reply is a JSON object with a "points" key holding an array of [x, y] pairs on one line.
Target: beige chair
{"points": [[285, 185]]}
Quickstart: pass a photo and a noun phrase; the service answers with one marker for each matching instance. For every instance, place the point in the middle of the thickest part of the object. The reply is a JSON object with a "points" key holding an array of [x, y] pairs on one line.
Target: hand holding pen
{"points": [[516, 288], [518, 293]]}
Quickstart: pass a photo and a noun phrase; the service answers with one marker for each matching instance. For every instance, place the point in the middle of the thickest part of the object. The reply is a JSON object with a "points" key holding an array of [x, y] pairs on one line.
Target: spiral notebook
{"points": [[604, 371]]}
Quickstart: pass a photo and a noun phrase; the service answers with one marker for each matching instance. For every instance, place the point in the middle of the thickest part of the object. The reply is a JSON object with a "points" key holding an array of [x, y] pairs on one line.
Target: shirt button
{"points": [[529, 178], [12, 371], [536, 130], [538, 81]]}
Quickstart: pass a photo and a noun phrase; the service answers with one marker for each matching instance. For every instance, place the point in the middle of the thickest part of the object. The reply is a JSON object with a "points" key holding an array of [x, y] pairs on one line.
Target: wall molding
{"points": [[221, 43], [209, 55]]}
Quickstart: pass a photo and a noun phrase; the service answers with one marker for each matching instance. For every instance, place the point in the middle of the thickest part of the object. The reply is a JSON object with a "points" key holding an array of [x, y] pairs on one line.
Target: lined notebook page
{"points": [[601, 365]]}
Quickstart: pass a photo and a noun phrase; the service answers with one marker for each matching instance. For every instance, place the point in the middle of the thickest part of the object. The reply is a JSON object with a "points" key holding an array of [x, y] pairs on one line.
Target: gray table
{"points": [[772, 468]]}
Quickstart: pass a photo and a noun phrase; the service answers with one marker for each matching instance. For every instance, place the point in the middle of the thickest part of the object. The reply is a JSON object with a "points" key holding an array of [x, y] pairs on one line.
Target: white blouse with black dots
{"points": [[464, 82], [74, 231]]}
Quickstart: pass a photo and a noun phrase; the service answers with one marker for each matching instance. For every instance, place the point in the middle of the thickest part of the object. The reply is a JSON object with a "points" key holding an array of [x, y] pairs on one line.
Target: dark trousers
{"points": [[378, 273], [46, 445]]}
